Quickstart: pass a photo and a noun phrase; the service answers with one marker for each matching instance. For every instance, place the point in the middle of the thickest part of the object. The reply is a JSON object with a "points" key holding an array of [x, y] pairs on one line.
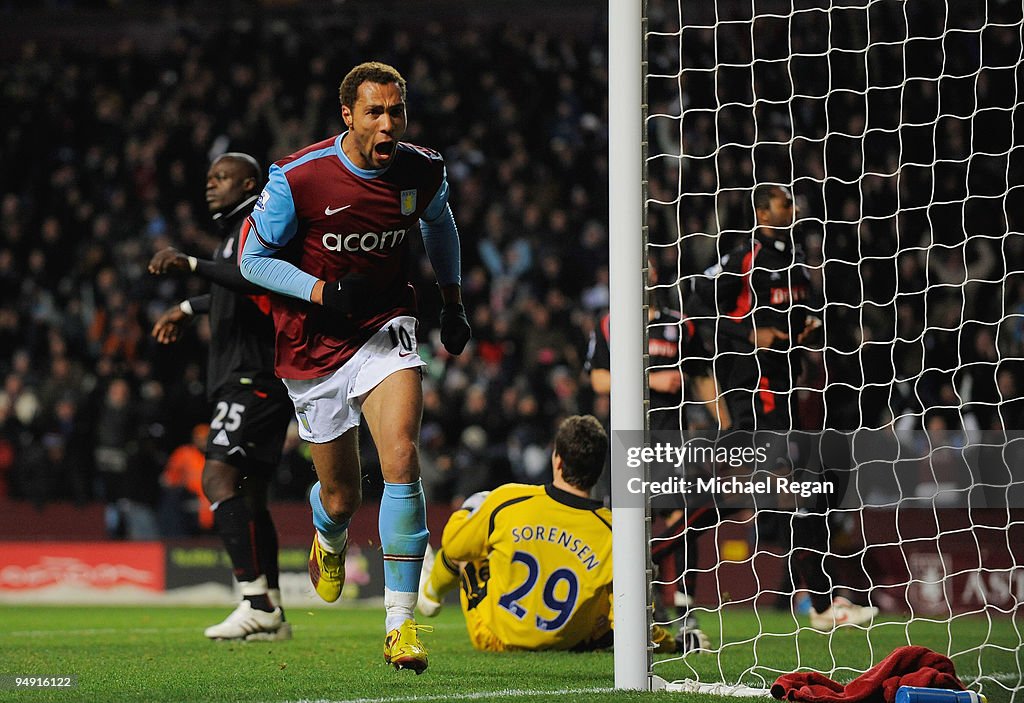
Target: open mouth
{"points": [[384, 149]]}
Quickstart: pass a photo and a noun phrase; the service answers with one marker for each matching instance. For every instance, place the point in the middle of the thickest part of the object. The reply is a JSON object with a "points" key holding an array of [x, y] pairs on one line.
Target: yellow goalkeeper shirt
{"points": [[540, 571]]}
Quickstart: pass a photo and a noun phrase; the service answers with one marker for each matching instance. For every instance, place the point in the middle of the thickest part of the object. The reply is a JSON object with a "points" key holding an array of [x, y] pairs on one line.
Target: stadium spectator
{"points": [[558, 535], [346, 331], [203, 99], [251, 408], [71, 428], [116, 441], [155, 112], [184, 508]]}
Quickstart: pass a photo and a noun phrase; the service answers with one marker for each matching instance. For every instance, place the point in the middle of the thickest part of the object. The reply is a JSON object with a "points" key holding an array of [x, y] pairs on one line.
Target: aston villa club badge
{"points": [[408, 200]]}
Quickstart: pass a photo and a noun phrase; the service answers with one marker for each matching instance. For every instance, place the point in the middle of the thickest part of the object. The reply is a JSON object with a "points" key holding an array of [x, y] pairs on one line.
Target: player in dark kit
{"points": [[759, 291], [251, 407], [674, 349], [330, 233], [757, 299], [668, 334]]}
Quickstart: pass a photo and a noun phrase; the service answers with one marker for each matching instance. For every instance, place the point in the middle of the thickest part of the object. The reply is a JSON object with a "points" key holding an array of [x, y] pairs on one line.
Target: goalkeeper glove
{"points": [[348, 295], [455, 329]]}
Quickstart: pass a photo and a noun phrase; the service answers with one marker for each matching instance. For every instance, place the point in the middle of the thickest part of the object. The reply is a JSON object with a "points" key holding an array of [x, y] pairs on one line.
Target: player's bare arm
{"points": [[168, 260], [667, 381], [601, 380], [809, 333], [169, 326], [317, 296], [764, 337], [707, 391]]}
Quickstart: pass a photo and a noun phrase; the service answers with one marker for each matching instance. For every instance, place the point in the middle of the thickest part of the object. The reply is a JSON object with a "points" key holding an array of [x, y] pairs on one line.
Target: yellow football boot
{"points": [[403, 649], [327, 571]]}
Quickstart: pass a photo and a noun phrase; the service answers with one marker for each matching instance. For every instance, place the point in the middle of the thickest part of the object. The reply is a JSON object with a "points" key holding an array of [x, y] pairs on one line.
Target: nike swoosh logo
{"points": [[331, 211]]}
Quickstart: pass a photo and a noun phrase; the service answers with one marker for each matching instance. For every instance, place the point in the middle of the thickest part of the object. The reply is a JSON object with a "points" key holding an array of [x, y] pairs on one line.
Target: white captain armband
{"points": [[474, 501]]}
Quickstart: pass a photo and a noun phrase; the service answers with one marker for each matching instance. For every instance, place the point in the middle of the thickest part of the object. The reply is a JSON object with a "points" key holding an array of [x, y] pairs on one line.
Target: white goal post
{"points": [[898, 129], [626, 222]]}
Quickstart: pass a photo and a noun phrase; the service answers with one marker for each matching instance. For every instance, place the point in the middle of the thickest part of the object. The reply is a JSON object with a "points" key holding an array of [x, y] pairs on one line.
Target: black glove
{"points": [[455, 330], [349, 295]]}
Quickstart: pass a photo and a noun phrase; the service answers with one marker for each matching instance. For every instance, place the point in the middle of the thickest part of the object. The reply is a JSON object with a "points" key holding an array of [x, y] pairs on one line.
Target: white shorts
{"points": [[329, 406]]}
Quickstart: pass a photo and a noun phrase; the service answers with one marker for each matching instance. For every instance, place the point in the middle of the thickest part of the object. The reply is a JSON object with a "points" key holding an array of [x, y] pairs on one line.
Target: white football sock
{"points": [[256, 587], [398, 607], [334, 545]]}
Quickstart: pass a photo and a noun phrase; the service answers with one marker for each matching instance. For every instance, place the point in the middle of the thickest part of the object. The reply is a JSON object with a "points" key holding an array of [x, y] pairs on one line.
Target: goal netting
{"points": [[898, 129]]}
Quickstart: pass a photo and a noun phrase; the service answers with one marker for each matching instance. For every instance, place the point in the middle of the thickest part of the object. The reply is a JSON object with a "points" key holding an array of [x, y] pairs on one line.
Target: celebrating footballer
{"points": [[330, 235]]}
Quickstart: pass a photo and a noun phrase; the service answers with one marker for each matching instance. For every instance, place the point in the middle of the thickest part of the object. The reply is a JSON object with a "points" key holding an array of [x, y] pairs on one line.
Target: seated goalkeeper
{"points": [[535, 562]]}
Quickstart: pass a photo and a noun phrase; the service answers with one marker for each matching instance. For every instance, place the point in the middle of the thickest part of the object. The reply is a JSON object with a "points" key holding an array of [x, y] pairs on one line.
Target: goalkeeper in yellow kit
{"points": [[535, 562]]}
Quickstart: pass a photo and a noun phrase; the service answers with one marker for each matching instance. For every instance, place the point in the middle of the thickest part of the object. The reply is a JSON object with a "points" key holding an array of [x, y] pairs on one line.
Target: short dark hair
{"points": [[247, 161], [582, 444], [373, 71], [764, 193]]}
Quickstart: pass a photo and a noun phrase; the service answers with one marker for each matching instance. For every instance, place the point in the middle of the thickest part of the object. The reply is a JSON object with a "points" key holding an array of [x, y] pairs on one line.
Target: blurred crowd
{"points": [[905, 221], [112, 147], [898, 129]]}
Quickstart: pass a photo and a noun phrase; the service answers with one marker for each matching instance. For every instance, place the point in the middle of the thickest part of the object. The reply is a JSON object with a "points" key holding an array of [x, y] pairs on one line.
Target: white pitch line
{"points": [[97, 631], [1000, 676], [478, 695]]}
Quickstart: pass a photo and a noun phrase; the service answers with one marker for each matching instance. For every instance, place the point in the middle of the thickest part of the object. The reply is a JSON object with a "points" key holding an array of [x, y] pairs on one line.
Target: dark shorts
{"points": [[759, 396], [249, 425]]}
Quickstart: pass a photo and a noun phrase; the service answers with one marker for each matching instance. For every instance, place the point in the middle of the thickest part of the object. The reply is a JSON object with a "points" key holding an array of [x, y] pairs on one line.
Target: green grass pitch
{"points": [[159, 654]]}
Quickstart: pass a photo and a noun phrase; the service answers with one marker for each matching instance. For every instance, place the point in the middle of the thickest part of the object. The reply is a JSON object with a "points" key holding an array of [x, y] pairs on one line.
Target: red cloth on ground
{"points": [[905, 666]]}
